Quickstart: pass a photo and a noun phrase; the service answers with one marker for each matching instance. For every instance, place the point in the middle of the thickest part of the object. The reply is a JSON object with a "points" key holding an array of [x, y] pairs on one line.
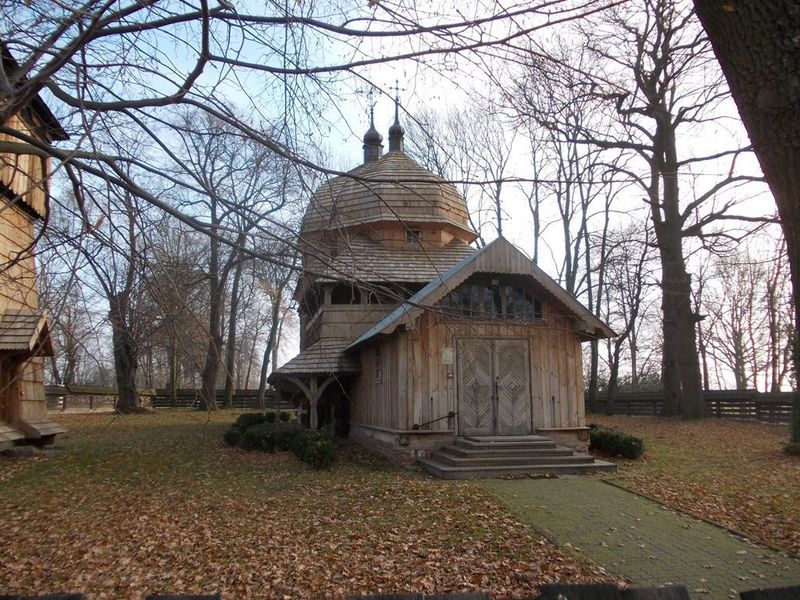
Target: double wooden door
{"points": [[494, 387]]}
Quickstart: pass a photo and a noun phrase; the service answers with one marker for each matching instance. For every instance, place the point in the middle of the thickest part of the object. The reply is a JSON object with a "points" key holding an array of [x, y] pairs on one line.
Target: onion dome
{"points": [[373, 140], [396, 131]]}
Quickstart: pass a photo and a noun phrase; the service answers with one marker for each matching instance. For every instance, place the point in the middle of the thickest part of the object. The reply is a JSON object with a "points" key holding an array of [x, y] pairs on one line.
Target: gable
{"points": [[500, 257]]}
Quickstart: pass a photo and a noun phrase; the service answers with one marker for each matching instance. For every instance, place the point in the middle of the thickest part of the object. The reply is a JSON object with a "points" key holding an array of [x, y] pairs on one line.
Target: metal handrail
{"points": [[449, 415]]}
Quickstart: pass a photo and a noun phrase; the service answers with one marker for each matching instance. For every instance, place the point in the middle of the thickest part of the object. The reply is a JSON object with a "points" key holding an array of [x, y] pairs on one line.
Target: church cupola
{"points": [[373, 141], [396, 131]]}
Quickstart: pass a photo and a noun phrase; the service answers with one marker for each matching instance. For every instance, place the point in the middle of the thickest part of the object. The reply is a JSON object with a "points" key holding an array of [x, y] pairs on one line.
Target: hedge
{"points": [[615, 443]]}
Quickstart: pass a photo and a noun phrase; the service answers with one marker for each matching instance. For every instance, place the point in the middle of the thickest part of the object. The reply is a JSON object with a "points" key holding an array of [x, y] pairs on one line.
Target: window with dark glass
{"points": [[413, 236], [492, 300]]}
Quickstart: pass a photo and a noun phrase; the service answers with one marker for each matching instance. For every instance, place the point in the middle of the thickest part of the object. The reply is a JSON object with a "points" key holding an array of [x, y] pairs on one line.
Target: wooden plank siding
{"points": [[17, 267], [23, 174], [416, 388], [23, 189]]}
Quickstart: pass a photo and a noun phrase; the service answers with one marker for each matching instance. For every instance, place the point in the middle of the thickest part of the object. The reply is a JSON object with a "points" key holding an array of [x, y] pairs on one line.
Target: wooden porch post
{"points": [[313, 397]]}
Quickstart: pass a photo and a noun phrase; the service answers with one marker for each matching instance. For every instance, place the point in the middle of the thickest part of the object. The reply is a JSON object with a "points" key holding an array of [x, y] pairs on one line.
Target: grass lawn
{"points": [[155, 503], [730, 472]]}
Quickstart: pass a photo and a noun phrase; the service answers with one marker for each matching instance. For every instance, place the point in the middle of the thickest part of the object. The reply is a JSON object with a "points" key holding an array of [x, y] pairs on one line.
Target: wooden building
{"points": [[24, 332], [410, 337]]}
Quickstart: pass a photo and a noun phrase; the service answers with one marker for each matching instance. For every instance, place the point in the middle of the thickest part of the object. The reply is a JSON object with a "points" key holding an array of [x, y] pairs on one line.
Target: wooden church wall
{"points": [[23, 173], [17, 278], [416, 387]]}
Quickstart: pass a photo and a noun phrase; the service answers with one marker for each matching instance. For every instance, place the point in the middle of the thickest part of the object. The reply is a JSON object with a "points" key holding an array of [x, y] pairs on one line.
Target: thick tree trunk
{"points": [[125, 355], [683, 388], [757, 45]]}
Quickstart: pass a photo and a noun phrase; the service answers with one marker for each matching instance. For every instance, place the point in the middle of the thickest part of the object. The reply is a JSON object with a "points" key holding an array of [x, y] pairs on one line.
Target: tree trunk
{"points": [[273, 335], [757, 46], [208, 391], [173, 368], [683, 388], [594, 361], [230, 348], [613, 377], [125, 355]]}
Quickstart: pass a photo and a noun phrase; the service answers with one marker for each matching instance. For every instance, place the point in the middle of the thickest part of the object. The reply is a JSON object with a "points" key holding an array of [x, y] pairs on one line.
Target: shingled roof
{"points": [[25, 331], [326, 357], [392, 188], [500, 256], [365, 260]]}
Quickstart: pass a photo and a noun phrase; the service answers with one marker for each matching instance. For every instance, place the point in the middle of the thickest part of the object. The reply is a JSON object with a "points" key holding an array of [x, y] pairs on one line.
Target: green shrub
{"points": [[259, 437], [232, 436], [287, 435], [247, 420], [792, 449], [316, 448], [615, 443], [284, 416], [269, 416]]}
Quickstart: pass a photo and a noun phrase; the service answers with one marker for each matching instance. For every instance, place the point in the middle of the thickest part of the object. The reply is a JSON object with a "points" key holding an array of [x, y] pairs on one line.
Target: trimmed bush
{"points": [[316, 448], [792, 449], [247, 420], [284, 416], [287, 435], [615, 443], [257, 432], [232, 437], [259, 437]]}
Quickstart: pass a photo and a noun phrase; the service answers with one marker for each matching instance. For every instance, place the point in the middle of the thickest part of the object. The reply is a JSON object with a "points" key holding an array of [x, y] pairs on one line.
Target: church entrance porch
{"points": [[494, 391]]}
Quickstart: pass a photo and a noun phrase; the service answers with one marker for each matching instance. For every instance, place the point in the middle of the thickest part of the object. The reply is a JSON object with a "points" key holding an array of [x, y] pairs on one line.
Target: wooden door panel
{"points": [[475, 416], [512, 379]]}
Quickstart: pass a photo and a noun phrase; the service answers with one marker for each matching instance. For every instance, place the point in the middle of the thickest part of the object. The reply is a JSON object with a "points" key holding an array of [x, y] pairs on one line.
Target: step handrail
{"points": [[450, 415]]}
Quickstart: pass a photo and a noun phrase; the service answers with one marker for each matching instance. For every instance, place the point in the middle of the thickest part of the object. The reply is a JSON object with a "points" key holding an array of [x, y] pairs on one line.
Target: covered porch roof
{"points": [[25, 332], [326, 357]]}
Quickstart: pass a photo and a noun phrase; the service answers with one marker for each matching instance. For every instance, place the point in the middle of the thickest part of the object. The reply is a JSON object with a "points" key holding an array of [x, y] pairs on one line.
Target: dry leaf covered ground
{"points": [[155, 503], [730, 472]]}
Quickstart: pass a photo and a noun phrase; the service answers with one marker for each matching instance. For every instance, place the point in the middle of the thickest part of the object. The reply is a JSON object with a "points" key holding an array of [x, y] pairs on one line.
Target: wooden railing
{"points": [[745, 405]]}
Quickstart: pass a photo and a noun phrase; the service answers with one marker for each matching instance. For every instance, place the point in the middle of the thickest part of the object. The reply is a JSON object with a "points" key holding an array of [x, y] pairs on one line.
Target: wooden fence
{"points": [[102, 399], [745, 405], [190, 398]]}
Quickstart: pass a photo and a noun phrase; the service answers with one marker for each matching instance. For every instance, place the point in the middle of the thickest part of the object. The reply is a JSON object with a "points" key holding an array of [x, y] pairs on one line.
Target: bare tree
{"points": [[627, 274], [654, 78], [471, 146], [242, 186]]}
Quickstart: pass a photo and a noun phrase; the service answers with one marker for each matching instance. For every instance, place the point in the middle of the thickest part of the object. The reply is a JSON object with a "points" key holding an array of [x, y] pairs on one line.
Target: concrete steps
{"points": [[486, 458]]}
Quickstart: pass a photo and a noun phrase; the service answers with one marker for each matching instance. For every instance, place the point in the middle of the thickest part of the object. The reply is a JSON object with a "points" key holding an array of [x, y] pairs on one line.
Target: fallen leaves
{"points": [[155, 504], [733, 473]]}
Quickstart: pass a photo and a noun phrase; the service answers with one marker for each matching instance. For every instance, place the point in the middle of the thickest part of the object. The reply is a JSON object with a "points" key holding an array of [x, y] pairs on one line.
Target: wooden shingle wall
{"points": [[23, 174]]}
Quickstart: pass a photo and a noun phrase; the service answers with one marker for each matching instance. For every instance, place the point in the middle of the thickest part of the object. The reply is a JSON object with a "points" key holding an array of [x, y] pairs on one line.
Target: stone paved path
{"points": [[641, 540]]}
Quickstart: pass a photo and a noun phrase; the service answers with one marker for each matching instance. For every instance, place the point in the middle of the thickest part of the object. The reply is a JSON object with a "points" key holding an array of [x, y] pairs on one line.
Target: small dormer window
{"points": [[413, 236]]}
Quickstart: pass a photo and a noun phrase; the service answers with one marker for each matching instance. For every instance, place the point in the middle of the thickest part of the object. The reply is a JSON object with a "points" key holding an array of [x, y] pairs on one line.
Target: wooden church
{"points": [[24, 331], [418, 345]]}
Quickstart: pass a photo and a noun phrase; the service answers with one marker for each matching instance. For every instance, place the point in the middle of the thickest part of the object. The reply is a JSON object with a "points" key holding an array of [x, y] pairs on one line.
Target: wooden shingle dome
{"points": [[388, 190]]}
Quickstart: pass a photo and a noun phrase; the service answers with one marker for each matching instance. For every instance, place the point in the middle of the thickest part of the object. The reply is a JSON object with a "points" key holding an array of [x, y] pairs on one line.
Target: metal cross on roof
{"points": [[397, 89]]}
